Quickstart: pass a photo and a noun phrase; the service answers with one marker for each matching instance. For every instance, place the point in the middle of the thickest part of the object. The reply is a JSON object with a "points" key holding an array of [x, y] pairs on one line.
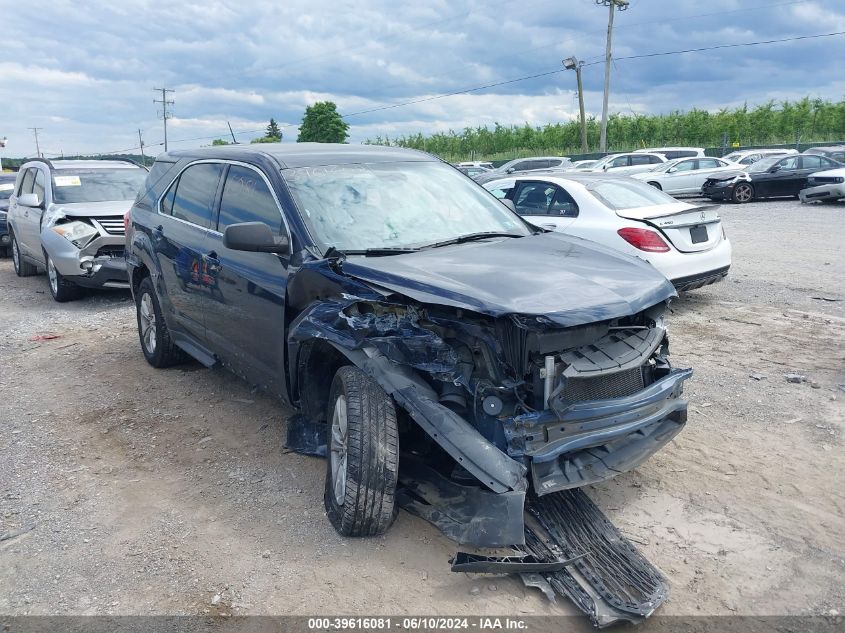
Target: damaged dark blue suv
{"points": [[447, 356]]}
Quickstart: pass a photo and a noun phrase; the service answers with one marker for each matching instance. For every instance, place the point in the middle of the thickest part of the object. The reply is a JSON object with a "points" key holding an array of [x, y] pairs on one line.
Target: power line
{"points": [[560, 70]]}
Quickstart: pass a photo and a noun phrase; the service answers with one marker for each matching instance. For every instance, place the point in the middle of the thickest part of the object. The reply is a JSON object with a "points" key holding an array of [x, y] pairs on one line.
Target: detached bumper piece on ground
{"points": [[572, 550]]}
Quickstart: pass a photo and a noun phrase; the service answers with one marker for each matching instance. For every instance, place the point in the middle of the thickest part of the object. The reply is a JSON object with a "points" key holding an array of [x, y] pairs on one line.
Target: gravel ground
{"points": [[128, 490]]}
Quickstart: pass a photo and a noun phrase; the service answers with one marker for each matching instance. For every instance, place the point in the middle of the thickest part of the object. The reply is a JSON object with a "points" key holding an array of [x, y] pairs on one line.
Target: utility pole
{"points": [[572, 63], [234, 140], [141, 141], [37, 147], [164, 101], [621, 5]]}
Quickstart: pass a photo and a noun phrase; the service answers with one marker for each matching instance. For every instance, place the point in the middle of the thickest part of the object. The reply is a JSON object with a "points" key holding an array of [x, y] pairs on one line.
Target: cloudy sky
{"points": [[84, 72]]}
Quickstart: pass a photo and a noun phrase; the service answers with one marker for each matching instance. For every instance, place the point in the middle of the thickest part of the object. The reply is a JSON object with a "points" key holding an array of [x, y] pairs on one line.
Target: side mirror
{"points": [[510, 170], [508, 203], [254, 237], [30, 200], [774, 168], [671, 170]]}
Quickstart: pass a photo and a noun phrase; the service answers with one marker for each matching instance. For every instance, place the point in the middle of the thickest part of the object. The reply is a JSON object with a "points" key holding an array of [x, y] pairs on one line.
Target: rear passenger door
{"points": [[545, 204], [186, 214], [246, 322]]}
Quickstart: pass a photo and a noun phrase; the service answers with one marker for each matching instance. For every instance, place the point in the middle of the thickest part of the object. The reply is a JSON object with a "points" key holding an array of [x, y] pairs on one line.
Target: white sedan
{"points": [[684, 242], [685, 175]]}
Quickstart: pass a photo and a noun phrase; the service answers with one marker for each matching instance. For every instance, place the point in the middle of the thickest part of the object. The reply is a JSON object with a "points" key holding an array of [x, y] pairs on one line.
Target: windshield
{"points": [[604, 161], [395, 205], [733, 157], [6, 188], [763, 164], [663, 167], [96, 185], [628, 194]]}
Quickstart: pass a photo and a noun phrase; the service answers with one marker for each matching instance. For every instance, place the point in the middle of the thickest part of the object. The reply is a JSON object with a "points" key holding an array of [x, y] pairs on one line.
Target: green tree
{"points": [[273, 130], [322, 123], [273, 135], [219, 141]]}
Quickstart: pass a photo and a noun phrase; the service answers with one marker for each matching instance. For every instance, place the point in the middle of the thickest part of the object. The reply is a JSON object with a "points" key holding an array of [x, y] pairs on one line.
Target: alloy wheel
{"points": [[743, 193], [338, 457], [53, 276], [147, 315]]}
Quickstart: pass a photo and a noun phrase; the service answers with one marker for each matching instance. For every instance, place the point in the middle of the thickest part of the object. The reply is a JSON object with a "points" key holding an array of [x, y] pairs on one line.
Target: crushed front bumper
{"points": [[591, 441], [99, 265]]}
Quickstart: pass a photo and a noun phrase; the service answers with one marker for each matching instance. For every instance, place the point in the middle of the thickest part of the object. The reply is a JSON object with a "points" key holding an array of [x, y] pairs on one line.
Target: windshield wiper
{"points": [[380, 252], [471, 237]]}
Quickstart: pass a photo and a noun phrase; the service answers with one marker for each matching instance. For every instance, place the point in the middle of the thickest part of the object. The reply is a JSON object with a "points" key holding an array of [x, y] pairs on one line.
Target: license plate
{"points": [[698, 234]]}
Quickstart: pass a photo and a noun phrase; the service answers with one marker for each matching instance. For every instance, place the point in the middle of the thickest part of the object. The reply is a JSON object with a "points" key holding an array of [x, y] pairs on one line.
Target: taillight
{"points": [[644, 239], [127, 220]]}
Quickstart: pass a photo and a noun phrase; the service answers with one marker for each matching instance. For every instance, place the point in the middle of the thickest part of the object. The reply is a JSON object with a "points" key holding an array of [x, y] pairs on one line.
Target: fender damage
{"points": [[503, 395]]}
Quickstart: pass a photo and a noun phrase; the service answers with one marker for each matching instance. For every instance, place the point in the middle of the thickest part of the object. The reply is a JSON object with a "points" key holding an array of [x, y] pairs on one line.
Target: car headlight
{"points": [[77, 233]]}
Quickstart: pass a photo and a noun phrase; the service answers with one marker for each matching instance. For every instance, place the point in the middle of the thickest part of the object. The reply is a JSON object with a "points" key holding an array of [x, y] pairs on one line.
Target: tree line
{"points": [[805, 120]]}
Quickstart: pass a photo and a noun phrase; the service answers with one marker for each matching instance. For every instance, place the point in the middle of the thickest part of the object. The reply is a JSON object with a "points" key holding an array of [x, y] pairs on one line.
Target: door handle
{"points": [[212, 264]]}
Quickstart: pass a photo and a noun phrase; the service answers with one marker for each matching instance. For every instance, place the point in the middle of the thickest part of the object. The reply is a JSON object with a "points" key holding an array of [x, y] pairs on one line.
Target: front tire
{"points": [[743, 192], [158, 347], [363, 463], [22, 268], [60, 288]]}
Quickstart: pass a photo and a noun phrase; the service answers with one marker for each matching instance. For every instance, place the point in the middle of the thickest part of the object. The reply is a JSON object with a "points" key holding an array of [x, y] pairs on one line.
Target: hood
{"points": [[93, 209], [726, 175], [566, 279]]}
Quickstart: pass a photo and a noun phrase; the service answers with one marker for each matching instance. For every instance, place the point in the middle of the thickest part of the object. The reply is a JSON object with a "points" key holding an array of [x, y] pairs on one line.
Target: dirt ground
{"points": [[143, 491]]}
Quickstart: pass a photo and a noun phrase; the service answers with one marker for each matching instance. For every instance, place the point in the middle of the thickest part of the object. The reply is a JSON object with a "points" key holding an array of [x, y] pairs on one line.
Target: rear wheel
{"points": [[743, 192], [158, 348], [656, 185], [61, 289], [22, 268], [363, 464]]}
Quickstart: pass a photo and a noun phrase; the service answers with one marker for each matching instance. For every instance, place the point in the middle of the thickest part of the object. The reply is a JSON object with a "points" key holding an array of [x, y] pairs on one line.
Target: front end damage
{"points": [[89, 250], [501, 411]]}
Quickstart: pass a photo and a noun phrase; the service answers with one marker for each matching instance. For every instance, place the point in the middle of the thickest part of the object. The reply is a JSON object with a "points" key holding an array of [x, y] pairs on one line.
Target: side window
{"points": [[246, 198], [555, 163], [838, 156], [789, 163], [620, 161], [563, 205], [641, 159], [38, 184], [827, 163], [811, 162], [522, 165], [654, 160], [708, 163], [195, 193], [534, 198], [26, 182], [167, 200]]}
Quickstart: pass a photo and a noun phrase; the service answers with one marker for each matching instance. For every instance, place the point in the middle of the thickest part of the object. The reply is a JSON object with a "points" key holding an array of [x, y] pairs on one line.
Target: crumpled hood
{"points": [[566, 279], [94, 209]]}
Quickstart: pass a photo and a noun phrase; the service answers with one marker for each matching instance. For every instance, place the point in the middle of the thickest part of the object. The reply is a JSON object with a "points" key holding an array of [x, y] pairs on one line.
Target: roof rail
{"points": [[39, 160]]}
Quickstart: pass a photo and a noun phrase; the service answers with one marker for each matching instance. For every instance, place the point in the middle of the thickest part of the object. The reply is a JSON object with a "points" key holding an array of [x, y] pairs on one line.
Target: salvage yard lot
{"points": [[131, 490]]}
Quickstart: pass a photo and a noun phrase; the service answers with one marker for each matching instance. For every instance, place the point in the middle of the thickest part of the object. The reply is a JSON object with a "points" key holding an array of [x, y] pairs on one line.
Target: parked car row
{"points": [[7, 186], [683, 241]]}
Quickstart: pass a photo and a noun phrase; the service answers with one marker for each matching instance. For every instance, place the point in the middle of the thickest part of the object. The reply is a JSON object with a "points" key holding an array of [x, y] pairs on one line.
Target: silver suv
{"points": [[66, 217]]}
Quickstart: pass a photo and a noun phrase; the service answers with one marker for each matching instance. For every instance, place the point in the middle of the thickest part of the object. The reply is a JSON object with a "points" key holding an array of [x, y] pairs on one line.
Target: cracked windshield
{"points": [[399, 205]]}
